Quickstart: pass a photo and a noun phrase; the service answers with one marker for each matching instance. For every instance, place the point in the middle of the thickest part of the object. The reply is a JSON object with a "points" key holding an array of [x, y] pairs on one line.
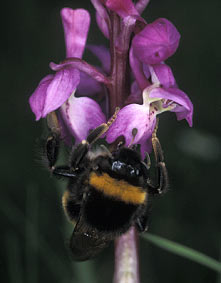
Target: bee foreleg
{"points": [[102, 129], [161, 171]]}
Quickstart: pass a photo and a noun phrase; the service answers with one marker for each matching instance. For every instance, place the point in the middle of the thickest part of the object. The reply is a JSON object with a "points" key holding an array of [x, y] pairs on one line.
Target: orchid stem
{"points": [[126, 252], [119, 87], [126, 258]]}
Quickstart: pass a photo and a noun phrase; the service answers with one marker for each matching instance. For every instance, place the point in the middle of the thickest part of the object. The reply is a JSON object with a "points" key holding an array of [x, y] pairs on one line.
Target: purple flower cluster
{"points": [[132, 76]]}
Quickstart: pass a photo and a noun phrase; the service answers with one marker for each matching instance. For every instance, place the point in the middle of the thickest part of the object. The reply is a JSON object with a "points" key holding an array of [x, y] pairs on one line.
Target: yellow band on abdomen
{"points": [[119, 189]]}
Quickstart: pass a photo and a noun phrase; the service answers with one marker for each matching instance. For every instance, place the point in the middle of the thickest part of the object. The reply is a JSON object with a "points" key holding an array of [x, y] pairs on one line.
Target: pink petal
{"points": [[123, 8], [102, 16], [135, 95], [103, 54], [88, 85], [37, 99], [81, 114], [76, 25], [162, 74], [184, 109], [138, 71], [66, 136], [156, 42], [133, 116], [83, 66], [102, 24], [146, 144], [61, 87], [141, 5]]}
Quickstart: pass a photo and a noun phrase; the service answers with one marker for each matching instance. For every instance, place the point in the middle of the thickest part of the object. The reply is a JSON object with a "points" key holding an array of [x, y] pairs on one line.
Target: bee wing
{"points": [[86, 244]]}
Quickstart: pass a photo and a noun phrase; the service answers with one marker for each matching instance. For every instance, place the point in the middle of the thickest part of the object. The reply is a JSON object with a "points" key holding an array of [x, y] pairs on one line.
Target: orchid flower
{"points": [[58, 91], [152, 92], [133, 76]]}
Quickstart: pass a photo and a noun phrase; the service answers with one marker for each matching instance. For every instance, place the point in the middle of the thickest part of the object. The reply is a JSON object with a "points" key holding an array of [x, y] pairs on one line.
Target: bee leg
{"points": [[147, 160], [141, 224], [106, 150], [52, 147], [53, 140], [100, 130], [117, 144], [79, 152], [142, 221], [64, 171], [161, 171]]}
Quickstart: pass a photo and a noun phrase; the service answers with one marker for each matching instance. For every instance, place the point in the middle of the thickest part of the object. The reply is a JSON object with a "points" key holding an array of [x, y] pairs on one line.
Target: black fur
{"points": [[100, 218]]}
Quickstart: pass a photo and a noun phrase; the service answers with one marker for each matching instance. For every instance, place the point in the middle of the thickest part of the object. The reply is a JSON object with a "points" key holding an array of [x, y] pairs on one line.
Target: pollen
{"points": [[118, 189]]}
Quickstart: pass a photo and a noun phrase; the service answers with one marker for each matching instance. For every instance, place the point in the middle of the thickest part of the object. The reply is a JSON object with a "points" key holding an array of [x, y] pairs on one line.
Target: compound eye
{"points": [[124, 169], [118, 166], [133, 171]]}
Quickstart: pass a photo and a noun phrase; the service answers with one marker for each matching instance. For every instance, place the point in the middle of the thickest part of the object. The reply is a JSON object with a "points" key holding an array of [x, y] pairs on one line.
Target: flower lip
{"points": [[130, 117], [89, 118], [183, 105]]}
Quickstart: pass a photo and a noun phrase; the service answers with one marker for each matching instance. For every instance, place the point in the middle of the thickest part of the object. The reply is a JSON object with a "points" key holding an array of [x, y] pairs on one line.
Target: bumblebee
{"points": [[109, 187]]}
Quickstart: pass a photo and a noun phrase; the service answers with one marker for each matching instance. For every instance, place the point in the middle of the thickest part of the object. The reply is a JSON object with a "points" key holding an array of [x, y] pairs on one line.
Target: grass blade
{"points": [[184, 251]]}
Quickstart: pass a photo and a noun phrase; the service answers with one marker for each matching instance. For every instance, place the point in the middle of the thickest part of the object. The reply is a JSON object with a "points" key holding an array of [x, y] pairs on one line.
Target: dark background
{"points": [[34, 230]]}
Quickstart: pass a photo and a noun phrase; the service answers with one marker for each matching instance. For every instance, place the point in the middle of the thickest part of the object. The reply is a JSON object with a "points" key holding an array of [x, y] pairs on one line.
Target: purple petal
{"points": [[82, 66], [123, 8], [156, 42], [103, 54], [135, 95], [81, 114], [146, 144], [76, 25], [134, 88], [88, 85], [184, 109], [162, 74], [137, 69], [61, 87], [102, 24], [146, 69], [37, 99], [141, 5], [66, 136], [133, 116], [102, 17]]}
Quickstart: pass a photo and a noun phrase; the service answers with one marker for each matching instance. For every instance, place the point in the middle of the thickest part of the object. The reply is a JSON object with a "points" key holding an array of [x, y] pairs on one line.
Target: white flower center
{"points": [[156, 105]]}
